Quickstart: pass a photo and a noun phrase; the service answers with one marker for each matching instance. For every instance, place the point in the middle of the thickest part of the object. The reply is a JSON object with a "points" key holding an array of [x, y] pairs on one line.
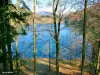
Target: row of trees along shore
{"points": [[8, 32]]}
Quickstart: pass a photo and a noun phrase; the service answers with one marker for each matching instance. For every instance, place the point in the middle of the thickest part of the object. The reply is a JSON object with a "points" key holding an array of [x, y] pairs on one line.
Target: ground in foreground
{"points": [[66, 67]]}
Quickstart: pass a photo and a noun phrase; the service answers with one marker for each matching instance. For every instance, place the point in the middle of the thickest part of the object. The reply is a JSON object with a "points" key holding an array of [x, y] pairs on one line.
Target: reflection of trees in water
{"points": [[71, 51], [70, 43]]}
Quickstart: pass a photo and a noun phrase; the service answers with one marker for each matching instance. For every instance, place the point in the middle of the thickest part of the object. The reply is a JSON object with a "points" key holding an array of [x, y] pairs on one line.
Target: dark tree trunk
{"points": [[57, 54], [35, 38], [9, 39], [98, 60], [84, 37], [17, 57], [4, 57], [94, 57], [56, 35], [57, 45], [2, 2], [10, 57], [6, 2], [49, 57]]}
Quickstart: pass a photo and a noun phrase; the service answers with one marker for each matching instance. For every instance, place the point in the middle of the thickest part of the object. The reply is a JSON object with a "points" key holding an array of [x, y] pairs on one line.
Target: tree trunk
{"points": [[10, 57], [9, 39], [84, 37], [2, 2], [7, 2], [94, 57], [57, 55], [17, 57], [34, 33], [56, 36], [4, 57], [49, 57], [98, 63]]}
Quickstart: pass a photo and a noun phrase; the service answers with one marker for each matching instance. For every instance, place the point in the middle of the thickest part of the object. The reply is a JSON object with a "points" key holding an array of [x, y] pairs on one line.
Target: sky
{"points": [[29, 3], [13, 1], [44, 5]]}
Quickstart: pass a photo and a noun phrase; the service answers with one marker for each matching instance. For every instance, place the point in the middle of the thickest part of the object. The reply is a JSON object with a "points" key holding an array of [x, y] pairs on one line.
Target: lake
{"points": [[70, 42]]}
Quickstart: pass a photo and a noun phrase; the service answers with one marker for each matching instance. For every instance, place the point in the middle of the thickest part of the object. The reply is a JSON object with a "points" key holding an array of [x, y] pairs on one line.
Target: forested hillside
{"points": [[63, 40], [92, 29]]}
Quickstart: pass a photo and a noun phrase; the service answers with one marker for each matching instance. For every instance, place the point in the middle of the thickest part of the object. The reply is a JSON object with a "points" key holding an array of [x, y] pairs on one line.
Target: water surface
{"points": [[70, 42]]}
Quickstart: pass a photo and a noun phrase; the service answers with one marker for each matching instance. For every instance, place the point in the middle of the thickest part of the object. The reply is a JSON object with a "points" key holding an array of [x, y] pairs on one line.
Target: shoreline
{"points": [[45, 23]]}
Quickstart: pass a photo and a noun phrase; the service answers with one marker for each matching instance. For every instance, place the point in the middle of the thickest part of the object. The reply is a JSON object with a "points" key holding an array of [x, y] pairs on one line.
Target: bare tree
{"points": [[34, 34], [55, 6], [84, 37]]}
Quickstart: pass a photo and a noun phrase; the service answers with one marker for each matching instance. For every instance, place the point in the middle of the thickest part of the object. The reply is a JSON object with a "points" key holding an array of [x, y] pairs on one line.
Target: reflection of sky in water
{"points": [[44, 32]]}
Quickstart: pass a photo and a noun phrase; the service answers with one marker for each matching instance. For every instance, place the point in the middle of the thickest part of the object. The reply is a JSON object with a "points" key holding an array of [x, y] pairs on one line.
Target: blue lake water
{"points": [[70, 42]]}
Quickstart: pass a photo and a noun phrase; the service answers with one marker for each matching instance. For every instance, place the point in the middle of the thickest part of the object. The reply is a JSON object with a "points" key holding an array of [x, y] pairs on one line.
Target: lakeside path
{"points": [[43, 67]]}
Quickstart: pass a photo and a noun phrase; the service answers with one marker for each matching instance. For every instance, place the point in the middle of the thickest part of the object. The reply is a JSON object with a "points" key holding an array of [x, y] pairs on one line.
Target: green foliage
{"points": [[0, 54], [7, 28], [95, 34]]}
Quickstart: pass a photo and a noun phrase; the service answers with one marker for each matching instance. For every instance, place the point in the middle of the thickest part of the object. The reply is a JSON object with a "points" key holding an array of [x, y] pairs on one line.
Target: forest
{"points": [[49, 37]]}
